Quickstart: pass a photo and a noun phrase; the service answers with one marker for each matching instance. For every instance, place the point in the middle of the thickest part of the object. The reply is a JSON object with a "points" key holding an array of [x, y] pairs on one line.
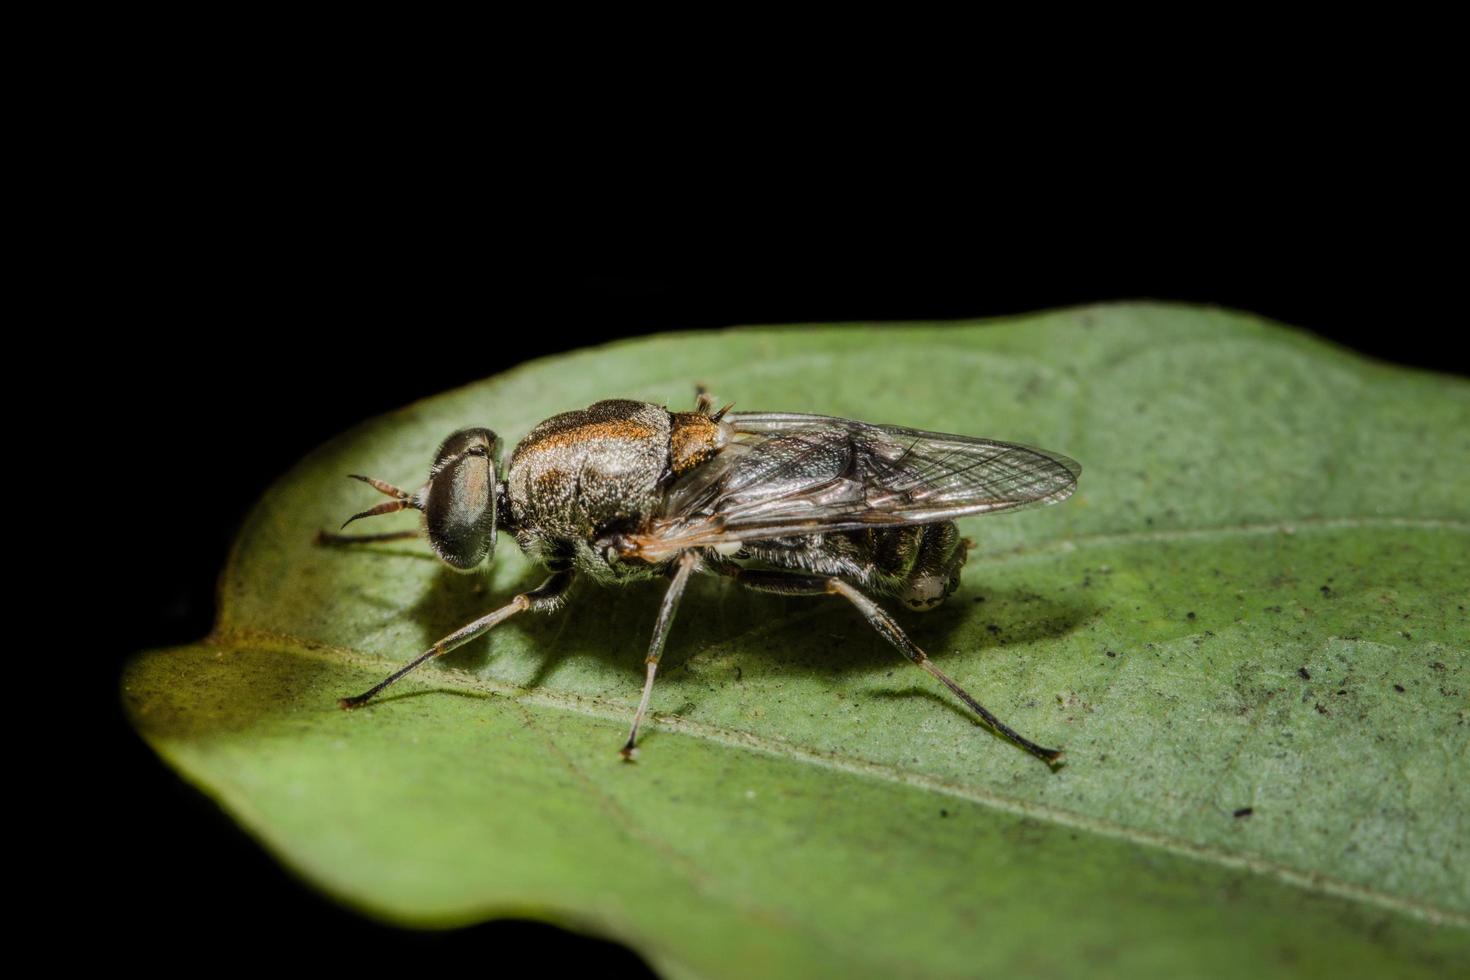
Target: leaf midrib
{"points": [[604, 709]]}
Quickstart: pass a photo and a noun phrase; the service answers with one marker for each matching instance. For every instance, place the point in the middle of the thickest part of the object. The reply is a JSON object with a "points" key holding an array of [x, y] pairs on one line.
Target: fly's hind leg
{"points": [[788, 583]]}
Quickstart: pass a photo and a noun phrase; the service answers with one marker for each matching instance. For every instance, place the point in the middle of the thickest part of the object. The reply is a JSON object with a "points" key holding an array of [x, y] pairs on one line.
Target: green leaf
{"points": [[1248, 629]]}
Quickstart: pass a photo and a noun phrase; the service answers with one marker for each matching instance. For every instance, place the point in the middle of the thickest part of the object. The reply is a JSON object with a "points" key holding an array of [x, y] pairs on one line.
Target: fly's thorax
{"points": [[584, 474], [694, 438]]}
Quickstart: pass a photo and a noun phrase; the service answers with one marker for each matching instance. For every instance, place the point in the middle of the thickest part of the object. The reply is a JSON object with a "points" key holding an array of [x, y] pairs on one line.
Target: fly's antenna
{"points": [[402, 500], [721, 413]]}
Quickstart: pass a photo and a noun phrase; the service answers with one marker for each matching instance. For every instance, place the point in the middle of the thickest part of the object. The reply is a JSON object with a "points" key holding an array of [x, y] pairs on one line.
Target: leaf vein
{"points": [[604, 709]]}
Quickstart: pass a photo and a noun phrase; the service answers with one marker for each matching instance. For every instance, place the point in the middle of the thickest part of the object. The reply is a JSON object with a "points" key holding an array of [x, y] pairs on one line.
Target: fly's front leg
{"points": [[544, 598], [787, 583], [683, 567]]}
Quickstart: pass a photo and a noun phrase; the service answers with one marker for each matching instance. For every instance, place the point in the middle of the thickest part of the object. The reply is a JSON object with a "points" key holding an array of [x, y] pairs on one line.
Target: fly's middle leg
{"points": [[790, 583], [683, 567]]}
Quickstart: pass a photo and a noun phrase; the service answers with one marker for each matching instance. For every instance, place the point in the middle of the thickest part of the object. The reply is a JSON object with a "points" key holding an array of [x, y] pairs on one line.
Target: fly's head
{"points": [[458, 501]]}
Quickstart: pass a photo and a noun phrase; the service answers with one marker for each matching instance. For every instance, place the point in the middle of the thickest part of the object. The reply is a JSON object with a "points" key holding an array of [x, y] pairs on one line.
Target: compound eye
{"points": [[465, 440], [459, 506]]}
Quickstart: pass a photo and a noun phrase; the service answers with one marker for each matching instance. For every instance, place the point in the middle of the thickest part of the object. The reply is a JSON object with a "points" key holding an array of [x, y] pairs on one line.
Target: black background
{"points": [[276, 316]]}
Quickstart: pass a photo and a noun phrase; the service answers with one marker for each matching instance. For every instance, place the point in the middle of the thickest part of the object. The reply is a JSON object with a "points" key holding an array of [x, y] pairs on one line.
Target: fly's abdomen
{"points": [[932, 570], [919, 564]]}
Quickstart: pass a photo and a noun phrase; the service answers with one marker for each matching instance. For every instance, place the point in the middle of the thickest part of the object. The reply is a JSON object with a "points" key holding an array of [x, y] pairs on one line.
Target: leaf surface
{"points": [[1248, 629]]}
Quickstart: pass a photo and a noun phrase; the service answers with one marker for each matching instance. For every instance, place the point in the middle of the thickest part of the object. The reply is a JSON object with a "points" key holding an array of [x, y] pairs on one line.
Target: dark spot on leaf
{"points": [[1111, 654], [1327, 590], [1321, 710], [943, 813], [1302, 673], [1189, 615], [1399, 688], [1244, 811], [1436, 666]]}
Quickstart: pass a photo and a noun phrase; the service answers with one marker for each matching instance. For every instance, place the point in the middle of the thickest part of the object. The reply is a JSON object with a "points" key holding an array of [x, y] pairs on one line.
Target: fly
{"points": [[779, 502]]}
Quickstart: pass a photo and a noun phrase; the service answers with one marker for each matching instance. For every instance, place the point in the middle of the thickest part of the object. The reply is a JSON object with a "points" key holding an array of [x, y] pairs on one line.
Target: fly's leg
{"points": [[685, 566], [544, 598], [703, 400], [889, 630], [787, 583]]}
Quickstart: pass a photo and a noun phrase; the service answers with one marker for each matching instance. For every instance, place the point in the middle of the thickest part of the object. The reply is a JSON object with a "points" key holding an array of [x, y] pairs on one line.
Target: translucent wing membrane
{"points": [[785, 474]]}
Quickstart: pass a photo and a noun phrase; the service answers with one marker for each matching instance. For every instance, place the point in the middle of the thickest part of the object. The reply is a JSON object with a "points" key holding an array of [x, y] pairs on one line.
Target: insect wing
{"points": [[786, 474]]}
